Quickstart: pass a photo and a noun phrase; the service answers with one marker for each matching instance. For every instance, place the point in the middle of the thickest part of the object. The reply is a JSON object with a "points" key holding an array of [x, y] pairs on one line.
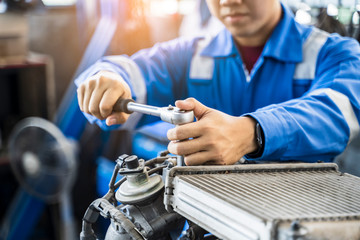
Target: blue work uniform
{"points": [[304, 90]]}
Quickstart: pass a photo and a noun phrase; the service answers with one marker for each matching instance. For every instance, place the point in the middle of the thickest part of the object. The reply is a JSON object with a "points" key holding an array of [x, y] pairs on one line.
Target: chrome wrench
{"points": [[168, 114]]}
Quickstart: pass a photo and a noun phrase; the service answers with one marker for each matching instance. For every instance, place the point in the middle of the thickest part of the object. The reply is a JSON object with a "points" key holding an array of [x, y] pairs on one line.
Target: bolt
{"points": [[295, 226], [170, 165], [137, 225], [179, 110]]}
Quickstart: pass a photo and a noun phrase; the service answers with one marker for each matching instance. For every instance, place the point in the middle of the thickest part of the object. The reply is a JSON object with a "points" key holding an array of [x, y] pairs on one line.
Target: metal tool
{"points": [[168, 114]]}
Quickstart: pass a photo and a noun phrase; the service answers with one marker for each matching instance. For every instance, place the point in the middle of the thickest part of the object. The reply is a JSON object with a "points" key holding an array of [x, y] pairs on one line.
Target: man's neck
{"points": [[250, 55]]}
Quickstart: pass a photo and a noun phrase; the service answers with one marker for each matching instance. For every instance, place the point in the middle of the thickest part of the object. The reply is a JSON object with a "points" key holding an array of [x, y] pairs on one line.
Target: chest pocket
{"points": [[305, 71]]}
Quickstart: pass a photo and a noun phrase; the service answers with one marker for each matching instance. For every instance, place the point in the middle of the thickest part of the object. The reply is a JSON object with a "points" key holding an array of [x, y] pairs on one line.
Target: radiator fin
{"points": [[284, 195]]}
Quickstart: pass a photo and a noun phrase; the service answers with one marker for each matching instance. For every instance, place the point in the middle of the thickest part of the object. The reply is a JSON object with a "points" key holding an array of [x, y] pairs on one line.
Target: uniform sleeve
{"points": [[319, 125], [156, 76]]}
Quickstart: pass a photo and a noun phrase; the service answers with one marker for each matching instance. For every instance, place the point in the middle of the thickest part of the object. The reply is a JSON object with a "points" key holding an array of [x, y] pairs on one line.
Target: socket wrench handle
{"points": [[121, 105], [168, 114]]}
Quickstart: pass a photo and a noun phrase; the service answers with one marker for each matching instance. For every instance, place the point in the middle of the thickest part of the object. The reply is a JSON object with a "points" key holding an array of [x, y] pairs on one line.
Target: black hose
{"points": [[117, 185], [113, 177], [156, 160], [154, 170]]}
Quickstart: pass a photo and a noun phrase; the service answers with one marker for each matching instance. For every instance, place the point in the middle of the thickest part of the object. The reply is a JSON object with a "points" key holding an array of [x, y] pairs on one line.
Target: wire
{"points": [[154, 170]]}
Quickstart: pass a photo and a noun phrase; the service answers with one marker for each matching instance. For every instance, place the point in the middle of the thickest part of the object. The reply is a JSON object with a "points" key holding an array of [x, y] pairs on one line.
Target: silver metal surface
{"points": [[132, 193], [139, 186], [261, 201], [168, 114], [146, 109]]}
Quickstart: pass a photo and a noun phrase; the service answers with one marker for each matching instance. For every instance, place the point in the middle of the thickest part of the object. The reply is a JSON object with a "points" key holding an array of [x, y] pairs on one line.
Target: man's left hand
{"points": [[215, 138]]}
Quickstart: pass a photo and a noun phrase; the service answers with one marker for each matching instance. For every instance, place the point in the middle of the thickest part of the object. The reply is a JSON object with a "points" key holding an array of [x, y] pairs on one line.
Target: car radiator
{"points": [[267, 201]]}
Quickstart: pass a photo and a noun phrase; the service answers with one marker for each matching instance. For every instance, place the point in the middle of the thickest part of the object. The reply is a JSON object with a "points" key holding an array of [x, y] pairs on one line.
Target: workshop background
{"points": [[45, 44]]}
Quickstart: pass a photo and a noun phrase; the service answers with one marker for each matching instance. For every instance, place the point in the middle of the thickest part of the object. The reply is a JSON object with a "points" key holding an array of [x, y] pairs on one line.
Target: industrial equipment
{"points": [[244, 201], [267, 201], [142, 214]]}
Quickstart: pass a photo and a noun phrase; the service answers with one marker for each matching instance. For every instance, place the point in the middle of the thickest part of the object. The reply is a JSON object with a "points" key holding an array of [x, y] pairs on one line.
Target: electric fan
{"points": [[43, 161]]}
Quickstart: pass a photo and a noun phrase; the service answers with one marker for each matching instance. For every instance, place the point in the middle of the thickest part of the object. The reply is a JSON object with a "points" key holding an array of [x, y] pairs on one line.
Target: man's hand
{"points": [[215, 138], [98, 95]]}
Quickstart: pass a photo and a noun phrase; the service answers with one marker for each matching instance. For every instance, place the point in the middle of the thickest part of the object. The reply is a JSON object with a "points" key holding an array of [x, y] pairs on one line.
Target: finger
{"points": [[97, 97], [80, 96], [119, 89], [201, 158], [187, 104], [195, 159], [108, 101], [186, 131], [116, 118], [89, 88], [192, 104], [186, 147]]}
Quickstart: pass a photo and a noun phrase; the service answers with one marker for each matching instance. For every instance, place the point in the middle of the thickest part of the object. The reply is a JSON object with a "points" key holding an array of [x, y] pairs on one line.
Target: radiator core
{"points": [[264, 201]]}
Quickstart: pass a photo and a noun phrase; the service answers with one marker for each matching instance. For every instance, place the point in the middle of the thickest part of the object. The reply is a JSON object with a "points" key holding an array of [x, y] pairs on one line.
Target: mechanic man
{"points": [[265, 87]]}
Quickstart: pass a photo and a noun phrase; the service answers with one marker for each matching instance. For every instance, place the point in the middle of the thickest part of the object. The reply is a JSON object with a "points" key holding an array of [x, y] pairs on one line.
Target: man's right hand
{"points": [[99, 93]]}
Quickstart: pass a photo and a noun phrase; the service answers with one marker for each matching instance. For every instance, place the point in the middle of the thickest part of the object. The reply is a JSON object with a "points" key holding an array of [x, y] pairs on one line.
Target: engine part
{"points": [[247, 201], [139, 187], [267, 201], [142, 214], [168, 114], [152, 220]]}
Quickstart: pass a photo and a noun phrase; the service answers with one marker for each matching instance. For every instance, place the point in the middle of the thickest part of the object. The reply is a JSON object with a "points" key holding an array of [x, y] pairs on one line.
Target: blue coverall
{"points": [[304, 90]]}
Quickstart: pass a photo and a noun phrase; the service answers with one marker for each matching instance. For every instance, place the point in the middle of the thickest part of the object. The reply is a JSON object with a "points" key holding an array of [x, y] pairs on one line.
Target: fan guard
{"points": [[42, 158]]}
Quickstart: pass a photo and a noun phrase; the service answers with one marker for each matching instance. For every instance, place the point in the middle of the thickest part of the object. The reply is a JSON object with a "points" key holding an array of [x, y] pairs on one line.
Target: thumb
{"points": [[194, 105], [116, 118]]}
